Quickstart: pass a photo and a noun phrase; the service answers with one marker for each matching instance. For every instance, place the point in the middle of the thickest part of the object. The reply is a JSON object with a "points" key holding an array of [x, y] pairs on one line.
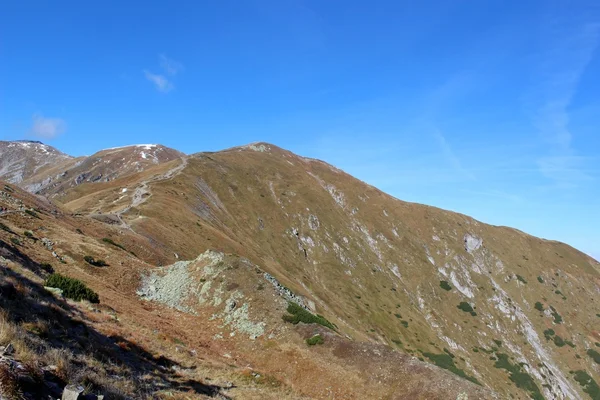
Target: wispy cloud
{"points": [[451, 156], [562, 66], [161, 83], [47, 128], [170, 68]]}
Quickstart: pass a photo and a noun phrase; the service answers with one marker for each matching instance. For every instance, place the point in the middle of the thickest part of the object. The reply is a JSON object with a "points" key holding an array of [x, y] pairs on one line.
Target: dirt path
{"points": [[142, 192]]}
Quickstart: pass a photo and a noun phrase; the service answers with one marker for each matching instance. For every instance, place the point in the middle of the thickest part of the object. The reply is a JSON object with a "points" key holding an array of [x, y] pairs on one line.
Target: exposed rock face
{"points": [[472, 243]]}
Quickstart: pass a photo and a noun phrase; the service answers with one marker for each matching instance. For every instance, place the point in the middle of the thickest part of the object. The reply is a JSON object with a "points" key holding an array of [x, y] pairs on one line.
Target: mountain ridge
{"points": [[476, 299]]}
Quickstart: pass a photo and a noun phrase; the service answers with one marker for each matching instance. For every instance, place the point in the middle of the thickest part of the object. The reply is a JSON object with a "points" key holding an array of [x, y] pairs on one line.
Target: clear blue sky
{"points": [[490, 108]]}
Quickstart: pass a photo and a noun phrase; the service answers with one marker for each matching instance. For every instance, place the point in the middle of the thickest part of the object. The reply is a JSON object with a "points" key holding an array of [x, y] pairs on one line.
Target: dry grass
{"points": [[9, 386]]}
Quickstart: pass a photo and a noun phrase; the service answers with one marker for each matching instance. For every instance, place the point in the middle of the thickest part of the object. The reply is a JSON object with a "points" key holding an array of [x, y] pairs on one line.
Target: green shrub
{"points": [[521, 279], [588, 384], [558, 341], [557, 318], [539, 306], [15, 241], [92, 261], [594, 355], [518, 376], [540, 279], [570, 344], [447, 362], [466, 307], [404, 323], [445, 285], [299, 314], [32, 213], [29, 234], [47, 267], [110, 241], [317, 339], [5, 228], [72, 288]]}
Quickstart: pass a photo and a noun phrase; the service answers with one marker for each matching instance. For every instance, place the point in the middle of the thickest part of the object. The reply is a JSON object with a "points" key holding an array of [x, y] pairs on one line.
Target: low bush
{"points": [[298, 314], [539, 306], [15, 241], [72, 288], [446, 361], [317, 339], [97, 263], [594, 355], [518, 376], [445, 285], [47, 267], [32, 213], [5, 228], [466, 307], [588, 384], [110, 241]]}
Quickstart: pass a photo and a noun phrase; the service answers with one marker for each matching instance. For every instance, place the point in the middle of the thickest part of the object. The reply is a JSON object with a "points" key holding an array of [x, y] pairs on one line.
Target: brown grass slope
{"points": [[374, 264], [127, 347]]}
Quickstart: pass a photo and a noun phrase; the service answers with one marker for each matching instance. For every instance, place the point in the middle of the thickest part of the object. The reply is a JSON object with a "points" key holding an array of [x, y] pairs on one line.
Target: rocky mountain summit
{"points": [[325, 287], [24, 158]]}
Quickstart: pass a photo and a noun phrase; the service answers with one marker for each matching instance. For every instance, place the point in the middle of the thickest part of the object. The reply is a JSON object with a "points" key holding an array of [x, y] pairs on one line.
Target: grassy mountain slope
{"points": [[510, 312]]}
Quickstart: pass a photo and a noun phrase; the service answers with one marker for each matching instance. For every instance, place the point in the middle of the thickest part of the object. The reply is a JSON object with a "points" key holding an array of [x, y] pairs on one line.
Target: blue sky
{"points": [[488, 108]]}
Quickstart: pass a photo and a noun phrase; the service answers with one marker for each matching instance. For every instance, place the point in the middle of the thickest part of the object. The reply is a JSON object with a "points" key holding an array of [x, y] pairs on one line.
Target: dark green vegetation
{"points": [[521, 279], [92, 261], [29, 234], [15, 241], [299, 314], [558, 341], [539, 306], [445, 285], [588, 384], [110, 241], [540, 279], [317, 339], [557, 318], [47, 267], [446, 361], [594, 355], [466, 307], [518, 376], [32, 213], [72, 288], [548, 333], [5, 228]]}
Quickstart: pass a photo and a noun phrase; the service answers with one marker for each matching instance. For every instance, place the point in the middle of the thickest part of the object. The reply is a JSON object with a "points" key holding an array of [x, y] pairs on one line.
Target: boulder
{"points": [[72, 392]]}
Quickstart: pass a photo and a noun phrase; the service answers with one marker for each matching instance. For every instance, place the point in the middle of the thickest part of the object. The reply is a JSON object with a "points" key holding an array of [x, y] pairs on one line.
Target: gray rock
{"points": [[72, 392], [8, 350]]}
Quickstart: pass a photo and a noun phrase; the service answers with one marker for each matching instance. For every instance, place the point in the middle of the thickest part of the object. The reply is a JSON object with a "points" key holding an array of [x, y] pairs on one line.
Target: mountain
{"points": [[24, 158], [420, 302]]}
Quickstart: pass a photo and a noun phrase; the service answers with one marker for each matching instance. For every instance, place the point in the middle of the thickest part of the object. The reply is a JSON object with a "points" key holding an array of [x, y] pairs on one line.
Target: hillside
{"points": [[223, 241]]}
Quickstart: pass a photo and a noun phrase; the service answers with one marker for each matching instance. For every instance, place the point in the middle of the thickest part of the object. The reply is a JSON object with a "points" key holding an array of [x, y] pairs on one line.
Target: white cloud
{"points": [[161, 83], [170, 66], [563, 64], [47, 128]]}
